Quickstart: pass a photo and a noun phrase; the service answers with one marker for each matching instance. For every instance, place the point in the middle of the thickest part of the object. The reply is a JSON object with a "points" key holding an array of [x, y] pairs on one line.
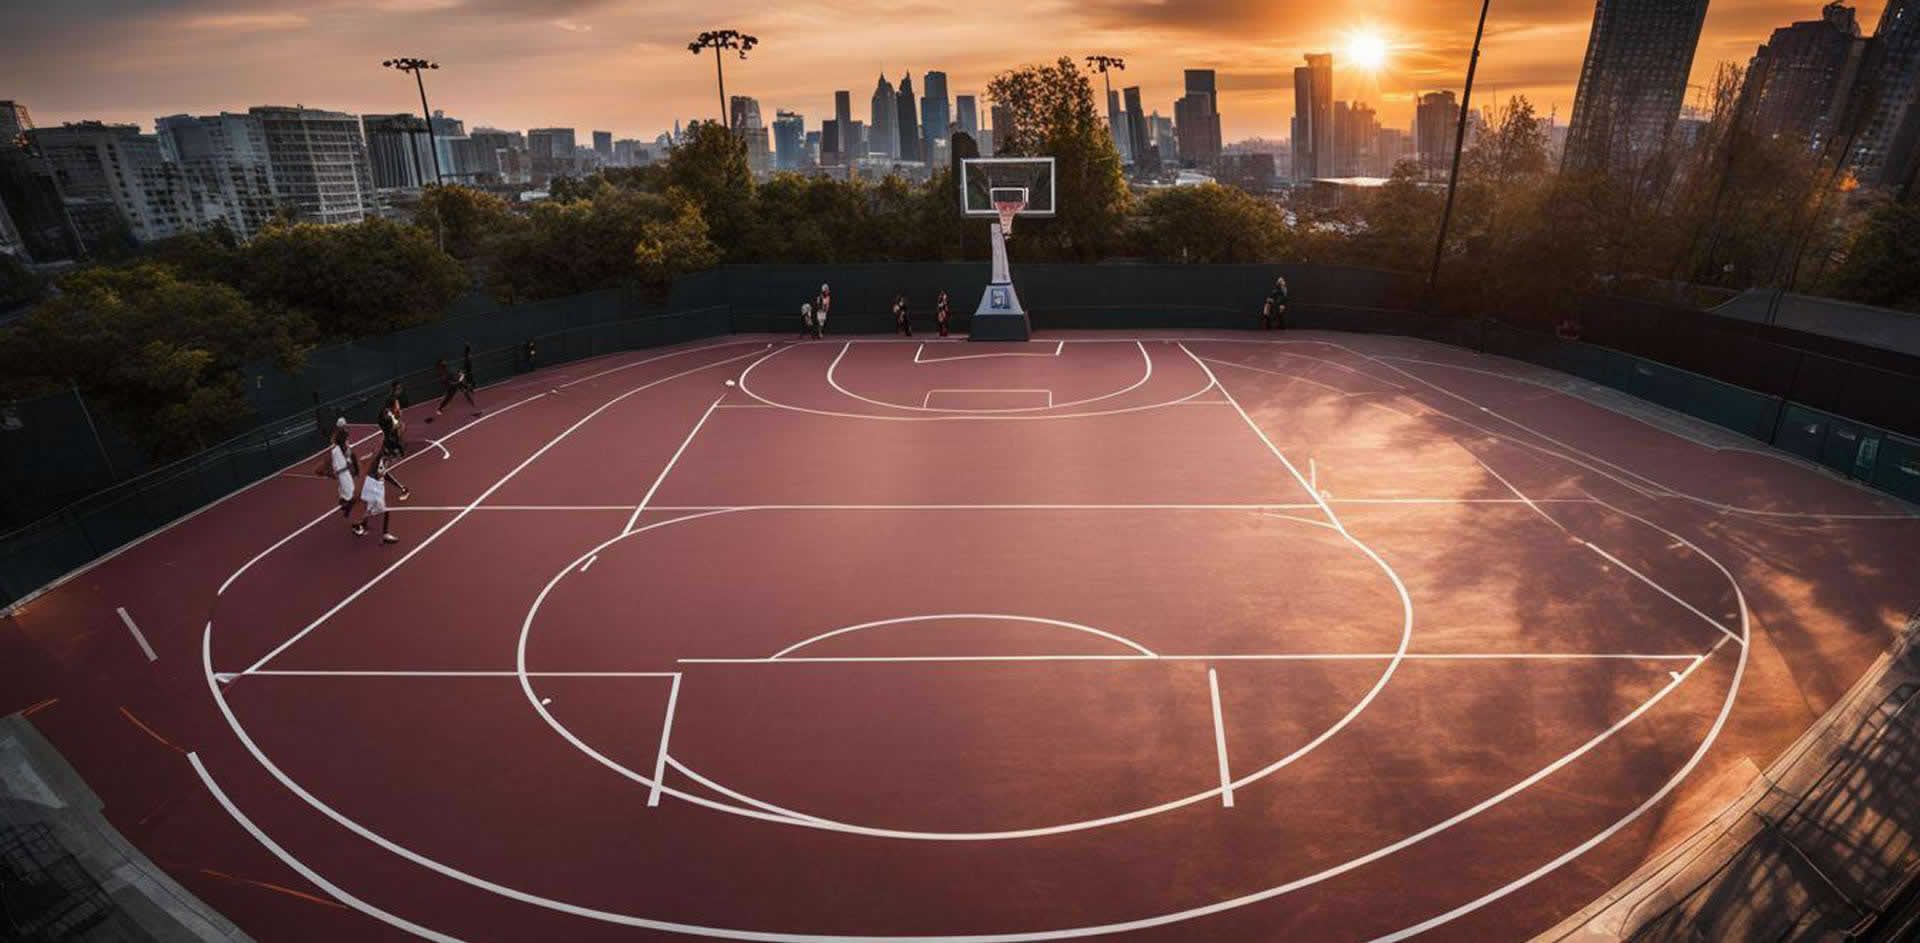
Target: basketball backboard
{"points": [[980, 177]]}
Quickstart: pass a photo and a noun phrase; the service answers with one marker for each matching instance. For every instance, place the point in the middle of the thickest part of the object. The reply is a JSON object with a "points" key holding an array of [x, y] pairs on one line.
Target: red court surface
{"points": [[1161, 637]]}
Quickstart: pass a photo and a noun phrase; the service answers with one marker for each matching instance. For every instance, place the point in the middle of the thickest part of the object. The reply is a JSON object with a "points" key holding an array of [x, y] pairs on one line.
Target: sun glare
{"points": [[1367, 51]]}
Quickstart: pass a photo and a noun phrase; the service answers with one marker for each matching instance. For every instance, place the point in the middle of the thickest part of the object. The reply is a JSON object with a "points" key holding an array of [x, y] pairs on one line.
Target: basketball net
{"points": [[1008, 210]]}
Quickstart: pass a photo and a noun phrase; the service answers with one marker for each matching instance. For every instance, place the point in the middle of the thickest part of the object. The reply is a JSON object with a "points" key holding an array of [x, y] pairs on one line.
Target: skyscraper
{"points": [[319, 162], [14, 123], [1145, 159], [883, 138], [398, 154], [1356, 132], [115, 164], [789, 140], [1313, 122], [935, 114], [1117, 126], [843, 118], [967, 114], [603, 145], [1435, 124], [225, 156], [1196, 118], [499, 156], [550, 154], [1888, 142], [1797, 84], [830, 143], [1164, 141], [908, 125], [751, 131], [1632, 81]]}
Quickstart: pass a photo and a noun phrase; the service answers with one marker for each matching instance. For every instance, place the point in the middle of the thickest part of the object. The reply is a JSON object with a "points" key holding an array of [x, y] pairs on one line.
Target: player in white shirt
{"points": [[340, 465], [373, 493]]}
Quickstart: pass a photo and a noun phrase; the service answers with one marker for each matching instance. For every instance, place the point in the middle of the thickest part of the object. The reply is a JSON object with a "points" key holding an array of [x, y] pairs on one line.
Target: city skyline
{"points": [[595, 66]]}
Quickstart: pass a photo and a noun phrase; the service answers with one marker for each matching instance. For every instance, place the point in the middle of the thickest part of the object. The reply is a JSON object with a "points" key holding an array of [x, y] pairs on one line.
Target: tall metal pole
{"points": [[1459, 143], [432, 145], [726, 115]]}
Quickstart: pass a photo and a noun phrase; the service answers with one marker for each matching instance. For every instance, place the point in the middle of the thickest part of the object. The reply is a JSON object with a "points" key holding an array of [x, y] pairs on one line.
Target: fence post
{"points": [[1780, 415], [101, 445]]}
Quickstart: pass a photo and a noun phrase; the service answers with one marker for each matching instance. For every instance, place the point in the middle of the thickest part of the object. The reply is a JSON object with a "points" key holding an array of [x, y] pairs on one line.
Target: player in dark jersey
{"points": [[940, 312], [902, 318], [392, 446]]}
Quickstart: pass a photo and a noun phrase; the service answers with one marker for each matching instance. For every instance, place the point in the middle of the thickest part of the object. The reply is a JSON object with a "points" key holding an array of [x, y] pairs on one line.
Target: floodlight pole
{"points": [[718, 40], [415, 66], [1459, 144]]}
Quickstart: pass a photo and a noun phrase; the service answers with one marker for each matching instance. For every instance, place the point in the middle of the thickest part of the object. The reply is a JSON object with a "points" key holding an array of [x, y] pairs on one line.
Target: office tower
{"points": [[1435, 125], [967, 113], [885, 141], [830, 155], [813, 147], [550, 153], [225, 158], [499, 156], [936, 112], [603, 145], [1003, 130], [1355, 130], [14, 123], [398, 154], [744, 113], [908, 125], [1632, 81], [1313, 121], [1798, 83], [856, 144], [1139, 136], [843, 114], [1197, 119], [1888, 141], [789, 140], [1391, 146], [1117, 127], [116, 164], [1160, 132]]}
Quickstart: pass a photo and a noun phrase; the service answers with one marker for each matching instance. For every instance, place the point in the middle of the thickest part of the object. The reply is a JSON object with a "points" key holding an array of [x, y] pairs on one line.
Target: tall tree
{"points": [[1212, 223], [1053, 114], [356, 280], [710, 166]]}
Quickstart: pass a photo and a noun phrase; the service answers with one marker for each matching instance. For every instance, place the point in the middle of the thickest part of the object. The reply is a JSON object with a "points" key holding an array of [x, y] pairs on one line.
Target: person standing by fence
{"points": [[902, 319], [940, 312], [820, 306], [1273, 314]]}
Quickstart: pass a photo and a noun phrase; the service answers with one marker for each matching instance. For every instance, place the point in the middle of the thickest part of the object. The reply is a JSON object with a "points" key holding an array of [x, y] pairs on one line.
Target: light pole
{"points": [[1101, 64], [416, 66], [718, 40], [1459, 142]]}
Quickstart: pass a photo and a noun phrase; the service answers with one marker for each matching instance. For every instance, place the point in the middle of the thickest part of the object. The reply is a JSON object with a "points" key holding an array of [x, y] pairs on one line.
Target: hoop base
{"points": [[1000, 316]]}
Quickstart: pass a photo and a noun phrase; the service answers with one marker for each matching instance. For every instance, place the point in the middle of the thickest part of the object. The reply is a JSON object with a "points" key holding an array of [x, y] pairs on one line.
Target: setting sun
{"points": [[1367, 50]]}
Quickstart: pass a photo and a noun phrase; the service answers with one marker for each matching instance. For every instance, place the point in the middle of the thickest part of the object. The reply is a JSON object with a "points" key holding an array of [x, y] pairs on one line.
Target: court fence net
{"points": [[1847, 407]]}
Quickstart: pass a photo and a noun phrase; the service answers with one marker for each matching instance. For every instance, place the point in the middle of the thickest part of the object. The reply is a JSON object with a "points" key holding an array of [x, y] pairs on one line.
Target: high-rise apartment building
{"points": [[1798, 84], [225, 158], [1435, 124], [14, 123], [1632, 81], [747, 126], [116, 164], [907, 126], [1887, 146], [549, 154], [398, 154], [1356, 131], [319, 162], [1313, 122], [603, 144], [499, 156]]}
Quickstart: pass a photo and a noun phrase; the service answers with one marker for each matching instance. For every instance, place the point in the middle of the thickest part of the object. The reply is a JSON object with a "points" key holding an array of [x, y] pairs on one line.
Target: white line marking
{"points": [[136, 634], [1278, 656], [1663, 591], [927, 401], [422, 545], [670, 463], [277, 545], [951, 616], [589, 563], [516, 507], [1303, 520], [666, 732], [972, 507], [1220, 740], [355, 673], [333, 890], [1145, 375], [1516, 491], [1313, 475], [1058, 346]]}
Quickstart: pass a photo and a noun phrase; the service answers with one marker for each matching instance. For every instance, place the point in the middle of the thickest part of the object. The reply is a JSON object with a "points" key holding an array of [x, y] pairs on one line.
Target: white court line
{"points": [[1145, 375], [927, 401], [666, 731], [356, 673], [1058, 346], [514, 507], [1313, 475], [1516, 491], [589, 563], [642, 506], [972, 507], [1144, 652], [422, 545], [1303, 520], [1616, 561], [136, 634], [1220, 740], [1279, 656], [333, 890]]}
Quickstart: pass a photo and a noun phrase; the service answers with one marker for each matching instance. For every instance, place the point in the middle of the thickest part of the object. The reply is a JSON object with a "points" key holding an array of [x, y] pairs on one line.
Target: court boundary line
{"points": [[1220, 739], [674, 460], [1145, 375], [1059, 346]]}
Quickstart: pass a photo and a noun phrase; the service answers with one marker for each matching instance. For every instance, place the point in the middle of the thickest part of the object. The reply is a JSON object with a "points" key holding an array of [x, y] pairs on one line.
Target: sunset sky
{"points": [[623, 66]]}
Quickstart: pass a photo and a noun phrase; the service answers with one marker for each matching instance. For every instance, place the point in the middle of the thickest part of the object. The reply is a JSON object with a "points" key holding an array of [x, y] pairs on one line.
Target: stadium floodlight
{"points": [[1102, 64], [1459, 142], [416, 66], [717, 40]]}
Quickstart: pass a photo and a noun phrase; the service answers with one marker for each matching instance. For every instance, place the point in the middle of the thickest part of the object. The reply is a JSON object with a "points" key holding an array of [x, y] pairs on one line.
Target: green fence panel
{"points": [[1896, 468]]}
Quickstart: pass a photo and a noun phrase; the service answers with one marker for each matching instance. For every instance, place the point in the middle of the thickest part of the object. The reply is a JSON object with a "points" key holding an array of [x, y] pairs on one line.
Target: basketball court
{"points": [[1179, 637]]}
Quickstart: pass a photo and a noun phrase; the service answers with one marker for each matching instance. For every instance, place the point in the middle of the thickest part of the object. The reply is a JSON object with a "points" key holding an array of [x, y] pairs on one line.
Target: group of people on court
{"points": [[813, 314], [344, 467]]}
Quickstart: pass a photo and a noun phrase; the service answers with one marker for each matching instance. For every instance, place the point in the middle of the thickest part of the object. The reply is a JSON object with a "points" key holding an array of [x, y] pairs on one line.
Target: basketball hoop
{"points": [[1008, 202]]}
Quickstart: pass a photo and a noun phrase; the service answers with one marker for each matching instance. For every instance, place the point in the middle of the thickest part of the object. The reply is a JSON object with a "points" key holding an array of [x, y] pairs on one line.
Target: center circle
{"points": [[917, 670]]}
